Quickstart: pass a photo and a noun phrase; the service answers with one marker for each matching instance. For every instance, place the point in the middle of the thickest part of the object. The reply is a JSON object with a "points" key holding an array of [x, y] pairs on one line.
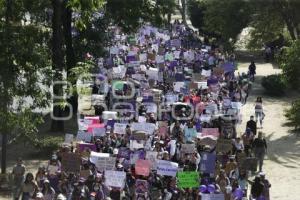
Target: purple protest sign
{"points": [[86, 146], [110, 122], [208, 163], [173, 64], [124, 153], [179, 77], [130, 59], [212, 81], [228, 67]]}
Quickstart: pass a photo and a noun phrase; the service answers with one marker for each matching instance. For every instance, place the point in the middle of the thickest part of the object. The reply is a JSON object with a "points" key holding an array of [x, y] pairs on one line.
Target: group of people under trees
{"points": [[164, 154]]}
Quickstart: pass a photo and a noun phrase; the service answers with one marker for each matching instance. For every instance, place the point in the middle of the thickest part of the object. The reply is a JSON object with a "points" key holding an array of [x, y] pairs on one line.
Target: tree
{"points": [[24, 65], [289, 62]]}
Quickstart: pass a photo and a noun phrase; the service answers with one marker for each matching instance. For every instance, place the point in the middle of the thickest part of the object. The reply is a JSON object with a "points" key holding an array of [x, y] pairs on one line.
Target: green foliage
{"points": [[196, 13], [289, 62], [293, 114], [274, 85], [48, 144], [130, 14]]}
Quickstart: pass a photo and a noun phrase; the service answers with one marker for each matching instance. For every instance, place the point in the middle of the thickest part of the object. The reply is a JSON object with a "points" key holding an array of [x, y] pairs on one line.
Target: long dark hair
{"points": [[27, 177], [259, 100]]}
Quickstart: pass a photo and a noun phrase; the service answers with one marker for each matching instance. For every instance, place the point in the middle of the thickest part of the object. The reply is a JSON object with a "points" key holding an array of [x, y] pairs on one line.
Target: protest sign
{"points": [[138, 135], [142, 167], [148, 128], [188, 179], [152, 73], [188, 148], [124, 153], [103, 161], [160, 59], [176, 43], [99, 131], [163, 129], [197, 77], [86, 147], [140, 154], [167, 168], [134, 144], [224, 145], [208, 163], [142, 119], [71, 162], [115, 178], [178, 85], [190, 133], [143, 57], [152, 157], [114, 50], [141, 186], [69, 138], [212, 196], [210, 131], [120, 128], [206, 73], [83, 136]]}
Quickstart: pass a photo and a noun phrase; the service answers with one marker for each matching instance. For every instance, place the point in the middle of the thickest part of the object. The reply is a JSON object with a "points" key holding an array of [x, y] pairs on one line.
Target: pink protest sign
{"points": [[210, 132], [92, 126], [94, 119], [142, 167]]}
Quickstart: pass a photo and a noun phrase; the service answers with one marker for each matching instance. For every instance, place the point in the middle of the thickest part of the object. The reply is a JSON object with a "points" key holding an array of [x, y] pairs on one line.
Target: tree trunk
{"points": [[6, 83], [57, 65], [183, 13], [70, 54], [3, 153]]}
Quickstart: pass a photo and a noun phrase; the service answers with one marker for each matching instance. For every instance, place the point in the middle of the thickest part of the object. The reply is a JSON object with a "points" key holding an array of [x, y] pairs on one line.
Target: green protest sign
{"points": [[188, 179]]}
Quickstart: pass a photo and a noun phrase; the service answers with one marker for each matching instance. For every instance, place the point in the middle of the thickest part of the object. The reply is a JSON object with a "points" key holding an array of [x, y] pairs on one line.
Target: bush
{"points": [[48, 144], [274, 85], [289, 62], [293, 114]]}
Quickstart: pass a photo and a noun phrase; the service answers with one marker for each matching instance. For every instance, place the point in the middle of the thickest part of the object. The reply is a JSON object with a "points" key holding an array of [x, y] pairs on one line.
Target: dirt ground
{"points": [[282, 164]]}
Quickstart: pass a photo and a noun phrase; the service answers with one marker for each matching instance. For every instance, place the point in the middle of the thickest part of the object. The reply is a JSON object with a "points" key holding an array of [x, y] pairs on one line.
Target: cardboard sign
{"points": [[136, 145], [84, 136], [197, 77], [102, 161], [124, 153], [120, 128], [141, 186], [138, 135], [148, 128], [210, 131], [86, 147], [206, 73], [99, 132], [140, 154], [115, 178], [212, 196], [188, 179], [152, 157], [224, 145], [69, 138], [208, 163], [71, 162], [188, 148], [142, 167], [167, 168]]}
